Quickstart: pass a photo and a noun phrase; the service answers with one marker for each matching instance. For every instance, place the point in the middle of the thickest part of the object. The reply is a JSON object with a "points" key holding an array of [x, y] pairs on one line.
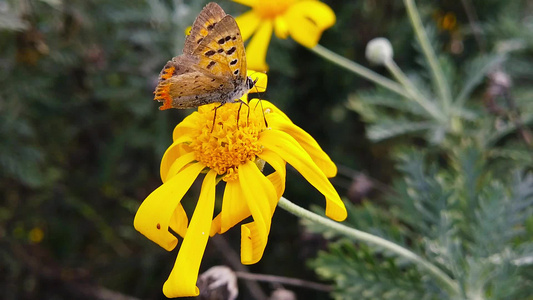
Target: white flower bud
{"points": [[378, 51]]}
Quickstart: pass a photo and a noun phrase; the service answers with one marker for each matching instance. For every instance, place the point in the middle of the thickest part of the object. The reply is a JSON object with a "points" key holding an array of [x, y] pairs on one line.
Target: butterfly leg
{"points": [[239, 111], [215, 117]]}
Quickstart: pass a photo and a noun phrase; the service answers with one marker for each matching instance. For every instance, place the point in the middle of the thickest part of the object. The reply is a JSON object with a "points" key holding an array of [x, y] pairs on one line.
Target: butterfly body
{"points": [[212, 68]]}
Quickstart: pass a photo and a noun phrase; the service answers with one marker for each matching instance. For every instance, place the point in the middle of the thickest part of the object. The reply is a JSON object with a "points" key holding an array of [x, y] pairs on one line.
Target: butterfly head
{"points": [[250, 83]]}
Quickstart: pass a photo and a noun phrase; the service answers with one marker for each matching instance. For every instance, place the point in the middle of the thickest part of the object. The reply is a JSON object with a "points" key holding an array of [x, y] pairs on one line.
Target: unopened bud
{"points": [[378, 51]]}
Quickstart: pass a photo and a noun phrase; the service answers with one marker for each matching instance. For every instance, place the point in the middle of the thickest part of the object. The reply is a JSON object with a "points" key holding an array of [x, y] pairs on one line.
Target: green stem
{"points": [[438, 76], [358, 235], [359, 70], [414, 93]]}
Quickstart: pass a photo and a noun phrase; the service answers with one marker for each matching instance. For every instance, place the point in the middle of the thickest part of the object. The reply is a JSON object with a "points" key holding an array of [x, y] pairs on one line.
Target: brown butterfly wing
{"points": [[182, 85], [221, 52], [212, 68], [204, 23]]}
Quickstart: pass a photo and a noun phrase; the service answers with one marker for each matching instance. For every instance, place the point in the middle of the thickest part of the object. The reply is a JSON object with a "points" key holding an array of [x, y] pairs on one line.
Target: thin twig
{"points": [[474, 24], [234, 261], [285, 280]]}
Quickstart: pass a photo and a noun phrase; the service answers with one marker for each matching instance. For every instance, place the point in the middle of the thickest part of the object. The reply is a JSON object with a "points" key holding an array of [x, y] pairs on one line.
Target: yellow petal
{"points": [[184, 127], [234, 208], [172, 153], [183, 277], [289, 149], [153, 216], [281, 28], [179, 221], [215, 226], [176, 166], [258, 46], [258, 193], [248, 23], [305, 140], [277, 178], [249, 3], [306, 21], [277, 119], [270, 108], [261, 80], [278, 182]]}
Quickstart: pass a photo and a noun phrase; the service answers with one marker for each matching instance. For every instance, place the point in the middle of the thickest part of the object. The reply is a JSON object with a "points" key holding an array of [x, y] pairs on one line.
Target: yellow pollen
{"points": [[270, 9], [228, 145]]}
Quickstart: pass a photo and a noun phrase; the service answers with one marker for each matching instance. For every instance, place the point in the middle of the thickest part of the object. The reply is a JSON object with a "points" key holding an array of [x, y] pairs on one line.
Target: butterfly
{"points": [[212, 68]]}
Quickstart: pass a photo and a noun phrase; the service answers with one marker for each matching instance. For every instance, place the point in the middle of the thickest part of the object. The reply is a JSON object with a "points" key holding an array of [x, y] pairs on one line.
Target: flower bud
{"points": [[378, 51]]}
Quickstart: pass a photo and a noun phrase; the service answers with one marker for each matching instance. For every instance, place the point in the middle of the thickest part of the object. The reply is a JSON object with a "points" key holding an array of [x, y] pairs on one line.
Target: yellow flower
{"points": [[303, 20], [235, 151]]}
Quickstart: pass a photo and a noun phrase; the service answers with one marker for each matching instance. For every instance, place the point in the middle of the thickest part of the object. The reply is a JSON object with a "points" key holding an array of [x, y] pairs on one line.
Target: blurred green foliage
{"points": [[81, 142]]}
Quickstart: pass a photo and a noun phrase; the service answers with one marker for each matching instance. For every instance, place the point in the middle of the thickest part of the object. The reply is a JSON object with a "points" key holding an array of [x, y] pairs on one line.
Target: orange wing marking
{"points": [[162, 91]]}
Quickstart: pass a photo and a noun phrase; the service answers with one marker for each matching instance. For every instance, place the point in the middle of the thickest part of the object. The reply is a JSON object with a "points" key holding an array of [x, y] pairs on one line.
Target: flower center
{"points": [[270, 9], [227, 145]]}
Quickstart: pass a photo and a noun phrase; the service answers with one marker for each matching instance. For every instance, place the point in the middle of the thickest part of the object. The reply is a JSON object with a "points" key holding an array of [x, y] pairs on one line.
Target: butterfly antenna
{"points": [[260, 102]]}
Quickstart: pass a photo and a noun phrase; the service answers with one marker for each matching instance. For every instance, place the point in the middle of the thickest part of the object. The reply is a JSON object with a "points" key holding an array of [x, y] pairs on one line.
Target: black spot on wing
{"points": [[210, 53], [221, 41], [236, 72], [211, 26], [231, 50], [233, 62], [199, 40], [211, 64], [220, 50]]}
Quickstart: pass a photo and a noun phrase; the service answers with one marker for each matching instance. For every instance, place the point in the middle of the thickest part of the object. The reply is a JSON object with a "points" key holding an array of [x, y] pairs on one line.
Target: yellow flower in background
{"points": [[235, 151], [303, 20]]}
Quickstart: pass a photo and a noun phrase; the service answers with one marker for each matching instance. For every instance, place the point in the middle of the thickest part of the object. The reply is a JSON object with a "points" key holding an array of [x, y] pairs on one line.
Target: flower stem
{"points": [[421, 35], [414, 93], [360, 70], [358, 235]]}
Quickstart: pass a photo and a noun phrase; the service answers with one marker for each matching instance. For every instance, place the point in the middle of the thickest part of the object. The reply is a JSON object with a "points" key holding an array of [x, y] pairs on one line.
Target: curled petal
{"points": [[289, 149], [307, 20], [215, 226], [277, 178], [167, 171], [175, 151], [257, 47], [280, 121], [234, 208], [182, 279], [305, 140], [259, 194], [179, 221], [185, 127], [248, 23], [281, 28], [154, 214]]}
